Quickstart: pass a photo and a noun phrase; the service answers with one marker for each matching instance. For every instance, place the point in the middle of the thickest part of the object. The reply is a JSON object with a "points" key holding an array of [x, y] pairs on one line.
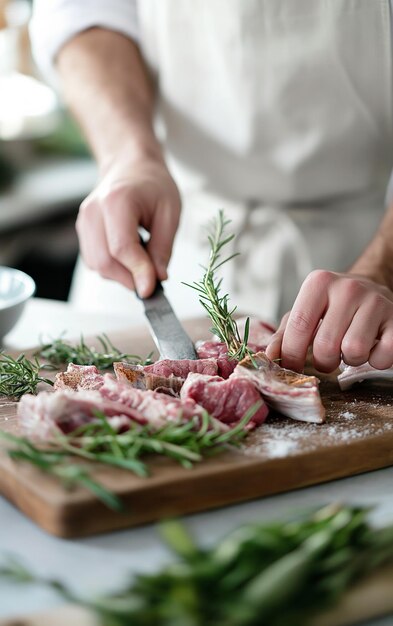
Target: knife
{"points": [[168, 334]]}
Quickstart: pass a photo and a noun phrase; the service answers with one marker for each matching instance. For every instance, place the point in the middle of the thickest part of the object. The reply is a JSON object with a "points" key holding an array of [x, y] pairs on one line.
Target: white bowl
{"points": [[16, 288]]}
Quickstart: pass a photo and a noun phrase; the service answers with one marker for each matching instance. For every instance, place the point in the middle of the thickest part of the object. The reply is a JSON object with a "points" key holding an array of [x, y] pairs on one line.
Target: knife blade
{"points": [[168, 334]]}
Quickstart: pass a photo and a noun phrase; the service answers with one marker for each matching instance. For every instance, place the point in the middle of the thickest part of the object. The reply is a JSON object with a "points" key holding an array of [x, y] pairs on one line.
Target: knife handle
{"points": [[158, 288]]}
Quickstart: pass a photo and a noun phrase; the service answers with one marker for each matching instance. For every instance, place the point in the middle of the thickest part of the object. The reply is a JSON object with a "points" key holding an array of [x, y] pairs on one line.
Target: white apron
{"points": [[279, 112]]}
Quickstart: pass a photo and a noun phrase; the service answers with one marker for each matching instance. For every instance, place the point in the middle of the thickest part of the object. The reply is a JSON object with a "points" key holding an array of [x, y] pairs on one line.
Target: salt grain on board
{"points": [[348, 415], [281, 438]]}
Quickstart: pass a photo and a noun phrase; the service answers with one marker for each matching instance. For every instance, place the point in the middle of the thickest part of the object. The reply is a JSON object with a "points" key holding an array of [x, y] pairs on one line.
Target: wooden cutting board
{"points": [[279, 456]]}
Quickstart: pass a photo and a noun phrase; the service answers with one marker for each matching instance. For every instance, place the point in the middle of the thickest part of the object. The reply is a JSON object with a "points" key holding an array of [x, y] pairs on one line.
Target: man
{"points": [[272, 109]]}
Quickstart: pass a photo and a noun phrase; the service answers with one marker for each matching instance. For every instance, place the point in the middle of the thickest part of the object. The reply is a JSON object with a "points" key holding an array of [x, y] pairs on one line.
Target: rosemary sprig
{"points": [[59, 352], [19, 376], [209, 290], [275, 573], [56, 462], [185, 442]]}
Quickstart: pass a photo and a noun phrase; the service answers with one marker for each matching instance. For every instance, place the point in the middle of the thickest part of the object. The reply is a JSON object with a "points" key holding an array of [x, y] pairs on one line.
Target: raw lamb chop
{"points": [[258, 338], [65, 410], [351, 374], [292, 394], [166, 375], [154, 407], [227, 400], [218, 351]]}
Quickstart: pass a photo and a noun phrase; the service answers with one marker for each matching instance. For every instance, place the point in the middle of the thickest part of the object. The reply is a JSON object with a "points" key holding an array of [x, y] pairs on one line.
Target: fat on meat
{"points": [[156, 407], [65, 410], [79, 377], [356, 374], [166, 375], [258, 338], [292, 394], [218, 351], [226, 400], [110, 396]]}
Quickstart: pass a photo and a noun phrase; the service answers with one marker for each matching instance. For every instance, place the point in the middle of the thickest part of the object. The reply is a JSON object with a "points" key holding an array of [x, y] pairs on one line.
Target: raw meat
{"points": [[351, 374], [258, 338], [79, 377], [65, 410], [156, 407], [74, 405], [219, 352], [292, 394], [227, 400], [164, 375]]}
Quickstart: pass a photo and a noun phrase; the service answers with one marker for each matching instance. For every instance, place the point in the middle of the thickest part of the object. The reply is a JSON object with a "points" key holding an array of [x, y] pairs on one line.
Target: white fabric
{"points": [[278, 111], [54, 22], [278, 249]]}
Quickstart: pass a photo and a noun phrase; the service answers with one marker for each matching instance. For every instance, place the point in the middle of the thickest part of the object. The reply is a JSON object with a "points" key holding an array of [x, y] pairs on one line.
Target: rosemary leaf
{"points": [[19, 376], [276, 573], [60, 352], [58, 463], [185, 442], [210, 297]]}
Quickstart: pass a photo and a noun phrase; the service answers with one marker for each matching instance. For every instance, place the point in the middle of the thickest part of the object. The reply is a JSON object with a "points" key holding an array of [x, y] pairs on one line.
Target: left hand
{"points": [[343, 317]]}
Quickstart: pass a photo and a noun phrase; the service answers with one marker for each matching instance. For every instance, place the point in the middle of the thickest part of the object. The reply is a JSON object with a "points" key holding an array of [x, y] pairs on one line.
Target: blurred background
{"points": [[45, 166]]}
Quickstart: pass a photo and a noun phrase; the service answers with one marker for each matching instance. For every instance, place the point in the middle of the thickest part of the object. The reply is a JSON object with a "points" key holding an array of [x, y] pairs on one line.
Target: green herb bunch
{"points": [[60, 352], [20, 375], [277, 573], [209, 290]]}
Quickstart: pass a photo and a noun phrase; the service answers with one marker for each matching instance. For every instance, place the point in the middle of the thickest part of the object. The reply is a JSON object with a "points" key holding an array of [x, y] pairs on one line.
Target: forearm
{"points": [[376, 262], [107, 86]]}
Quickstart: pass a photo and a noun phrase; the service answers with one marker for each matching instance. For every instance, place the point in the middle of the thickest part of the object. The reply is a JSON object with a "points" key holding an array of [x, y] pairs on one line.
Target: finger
{"points": [[332, 329], [381, 356], [163, 232], [362, 334], [121, 227], [273, 349], [93, 245], [308, 309]]}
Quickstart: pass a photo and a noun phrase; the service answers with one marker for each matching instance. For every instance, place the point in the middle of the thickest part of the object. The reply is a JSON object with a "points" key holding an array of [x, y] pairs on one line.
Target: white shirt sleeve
{"points": [[54, 22]]}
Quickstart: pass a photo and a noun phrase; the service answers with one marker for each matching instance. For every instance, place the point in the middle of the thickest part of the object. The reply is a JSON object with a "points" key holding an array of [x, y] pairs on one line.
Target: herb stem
{"points": [[19, 376], [98, 442], [60, 352], [209, 290]]}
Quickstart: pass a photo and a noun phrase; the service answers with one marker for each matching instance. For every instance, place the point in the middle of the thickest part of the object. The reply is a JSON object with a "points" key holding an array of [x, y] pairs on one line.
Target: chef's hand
{"points": [[130, 194], [342, 316]]}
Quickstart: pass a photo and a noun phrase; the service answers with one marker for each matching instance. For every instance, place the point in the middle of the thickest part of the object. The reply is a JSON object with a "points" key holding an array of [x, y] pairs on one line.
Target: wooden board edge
{"points": [[227, 485]]}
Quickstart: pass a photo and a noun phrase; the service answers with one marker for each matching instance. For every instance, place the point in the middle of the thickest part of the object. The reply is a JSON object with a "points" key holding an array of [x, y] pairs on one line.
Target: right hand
{"points": [[130, 194]]}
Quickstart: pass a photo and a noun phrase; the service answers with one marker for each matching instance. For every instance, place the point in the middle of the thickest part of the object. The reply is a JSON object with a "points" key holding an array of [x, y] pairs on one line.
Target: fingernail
{"points": [[143, 288]]}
